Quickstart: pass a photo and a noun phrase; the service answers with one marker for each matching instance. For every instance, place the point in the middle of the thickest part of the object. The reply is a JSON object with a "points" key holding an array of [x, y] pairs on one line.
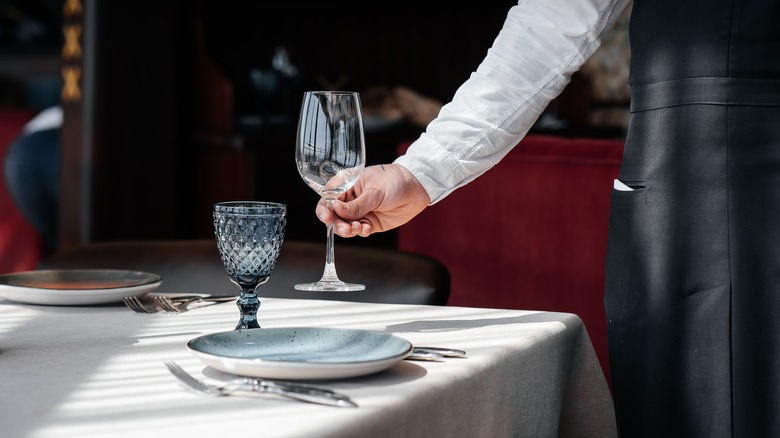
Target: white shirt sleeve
{"points": [[541, 44]]}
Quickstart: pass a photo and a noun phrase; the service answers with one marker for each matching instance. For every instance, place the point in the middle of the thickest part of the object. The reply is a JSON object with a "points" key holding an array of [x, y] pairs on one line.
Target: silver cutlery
{"points": [[174, 304], [297, 391], [179, 304], [137, 306], [434, 353]]}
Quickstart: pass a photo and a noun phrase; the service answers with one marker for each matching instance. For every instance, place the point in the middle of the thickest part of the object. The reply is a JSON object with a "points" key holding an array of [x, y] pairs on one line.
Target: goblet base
{"points": [[330, 286]]}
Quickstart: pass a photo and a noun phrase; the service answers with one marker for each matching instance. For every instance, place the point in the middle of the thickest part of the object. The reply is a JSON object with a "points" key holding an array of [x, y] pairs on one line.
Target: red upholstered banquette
{"points": [[531, 233], [20, 244]]}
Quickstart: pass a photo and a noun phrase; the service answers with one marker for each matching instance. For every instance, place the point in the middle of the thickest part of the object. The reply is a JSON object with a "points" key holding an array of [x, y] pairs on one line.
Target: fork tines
{"points": [[167, 304], [136, 305], [189, 381]]}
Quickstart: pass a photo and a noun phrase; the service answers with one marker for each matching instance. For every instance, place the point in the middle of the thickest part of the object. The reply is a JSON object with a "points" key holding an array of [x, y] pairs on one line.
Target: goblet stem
{"points": [[248, 304]]}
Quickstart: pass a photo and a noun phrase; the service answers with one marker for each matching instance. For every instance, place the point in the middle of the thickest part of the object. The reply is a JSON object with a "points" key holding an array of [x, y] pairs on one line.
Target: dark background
{"points": [[182, 106]]}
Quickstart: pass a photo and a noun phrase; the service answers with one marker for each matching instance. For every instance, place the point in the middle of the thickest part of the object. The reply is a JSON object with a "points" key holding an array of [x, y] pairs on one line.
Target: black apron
{"points": [[693, 261]]}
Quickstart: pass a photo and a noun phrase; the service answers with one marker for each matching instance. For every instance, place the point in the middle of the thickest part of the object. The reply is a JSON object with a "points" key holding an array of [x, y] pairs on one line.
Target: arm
{"points": [[542, 43]]}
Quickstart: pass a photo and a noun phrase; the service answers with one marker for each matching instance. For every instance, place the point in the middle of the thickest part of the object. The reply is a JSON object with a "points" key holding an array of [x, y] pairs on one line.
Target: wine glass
{"points": [[330, 154], [249, 238]]}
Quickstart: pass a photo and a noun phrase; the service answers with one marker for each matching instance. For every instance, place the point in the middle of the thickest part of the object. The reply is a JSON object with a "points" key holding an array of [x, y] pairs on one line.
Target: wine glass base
{"points": [[330, 286]]}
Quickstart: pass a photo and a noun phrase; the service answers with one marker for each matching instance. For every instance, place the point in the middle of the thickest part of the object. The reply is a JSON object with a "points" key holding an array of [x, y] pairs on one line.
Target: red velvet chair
{"points": [[531, 233], [20, 244]]}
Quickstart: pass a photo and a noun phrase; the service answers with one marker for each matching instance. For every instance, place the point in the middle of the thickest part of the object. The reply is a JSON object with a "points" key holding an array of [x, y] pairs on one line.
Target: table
{"points": [[97, 371]]}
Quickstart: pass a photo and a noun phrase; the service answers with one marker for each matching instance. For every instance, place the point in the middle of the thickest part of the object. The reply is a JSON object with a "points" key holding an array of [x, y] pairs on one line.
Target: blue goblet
{"points": [[249, 239]]}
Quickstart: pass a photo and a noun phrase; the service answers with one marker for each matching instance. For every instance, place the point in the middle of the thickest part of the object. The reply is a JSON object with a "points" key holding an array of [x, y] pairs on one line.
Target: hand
{"points": [[385, 197]]}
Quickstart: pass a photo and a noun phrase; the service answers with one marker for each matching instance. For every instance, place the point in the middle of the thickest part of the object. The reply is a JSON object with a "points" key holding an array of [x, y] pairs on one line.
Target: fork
{"points": [[136, 305], [179, 304], [295, 391]]}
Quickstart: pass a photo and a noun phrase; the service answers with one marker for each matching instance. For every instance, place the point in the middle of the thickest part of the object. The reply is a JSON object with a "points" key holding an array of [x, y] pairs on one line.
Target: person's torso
{"points": [[680, 39]]}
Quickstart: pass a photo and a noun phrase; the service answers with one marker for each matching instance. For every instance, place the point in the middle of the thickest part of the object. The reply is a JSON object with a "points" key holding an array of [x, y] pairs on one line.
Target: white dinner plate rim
{"points": [[77, 296], [300, 370]]}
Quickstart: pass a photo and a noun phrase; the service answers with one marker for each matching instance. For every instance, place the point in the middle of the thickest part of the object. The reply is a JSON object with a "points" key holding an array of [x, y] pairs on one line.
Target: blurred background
{"points": [[176, 106]]}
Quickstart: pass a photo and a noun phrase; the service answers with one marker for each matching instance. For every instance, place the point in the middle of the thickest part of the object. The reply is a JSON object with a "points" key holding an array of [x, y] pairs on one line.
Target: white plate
{"points": [[294, 353], [76, 287]]}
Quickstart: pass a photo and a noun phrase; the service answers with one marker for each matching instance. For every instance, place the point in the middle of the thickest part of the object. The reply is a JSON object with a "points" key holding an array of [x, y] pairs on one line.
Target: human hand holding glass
{"points": [[330, 156]]}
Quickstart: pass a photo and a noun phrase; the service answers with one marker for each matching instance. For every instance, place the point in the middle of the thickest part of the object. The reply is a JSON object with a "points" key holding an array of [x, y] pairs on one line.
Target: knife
{"points": [[434, 353]]}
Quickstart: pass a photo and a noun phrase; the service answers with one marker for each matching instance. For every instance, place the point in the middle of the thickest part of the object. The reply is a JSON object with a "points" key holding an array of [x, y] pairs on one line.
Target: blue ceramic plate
{"points": [[294, 353], [76, 287]]}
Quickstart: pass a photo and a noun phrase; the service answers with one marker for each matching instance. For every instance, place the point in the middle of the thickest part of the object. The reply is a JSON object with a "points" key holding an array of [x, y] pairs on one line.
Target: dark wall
{"points": [[139, 118], [430, 48], [157, 166]]}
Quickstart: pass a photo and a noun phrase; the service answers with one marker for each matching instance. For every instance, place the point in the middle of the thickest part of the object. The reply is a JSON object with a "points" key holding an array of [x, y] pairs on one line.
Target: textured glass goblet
{"points": [[249, 238]]}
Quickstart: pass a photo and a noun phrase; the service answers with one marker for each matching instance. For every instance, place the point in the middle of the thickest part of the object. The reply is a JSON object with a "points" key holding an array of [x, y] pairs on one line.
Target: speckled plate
{"points": [[295, 353], [76, 287]]}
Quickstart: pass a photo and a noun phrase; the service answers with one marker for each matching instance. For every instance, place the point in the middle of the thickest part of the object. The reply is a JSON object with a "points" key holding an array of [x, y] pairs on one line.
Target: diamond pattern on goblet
{"points": [[249, 246]]}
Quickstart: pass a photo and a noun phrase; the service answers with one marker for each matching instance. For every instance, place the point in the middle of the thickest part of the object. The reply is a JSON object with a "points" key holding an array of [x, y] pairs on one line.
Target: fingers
{"points": [[352, 229], [343, 227], [349, 224], [348, 210], [323, 212]]}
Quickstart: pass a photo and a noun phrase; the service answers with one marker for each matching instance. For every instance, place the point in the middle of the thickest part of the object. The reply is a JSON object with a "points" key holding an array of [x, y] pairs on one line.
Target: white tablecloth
{"points": [[98, 372]]}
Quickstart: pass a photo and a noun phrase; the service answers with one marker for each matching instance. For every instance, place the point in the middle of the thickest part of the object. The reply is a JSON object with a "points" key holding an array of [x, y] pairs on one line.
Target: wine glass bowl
{"points": [[249, 237], [330, 156]]}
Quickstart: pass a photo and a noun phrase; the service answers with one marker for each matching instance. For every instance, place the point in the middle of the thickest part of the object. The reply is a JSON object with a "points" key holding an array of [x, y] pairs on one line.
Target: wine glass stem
{"points": [[330, 260]]}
